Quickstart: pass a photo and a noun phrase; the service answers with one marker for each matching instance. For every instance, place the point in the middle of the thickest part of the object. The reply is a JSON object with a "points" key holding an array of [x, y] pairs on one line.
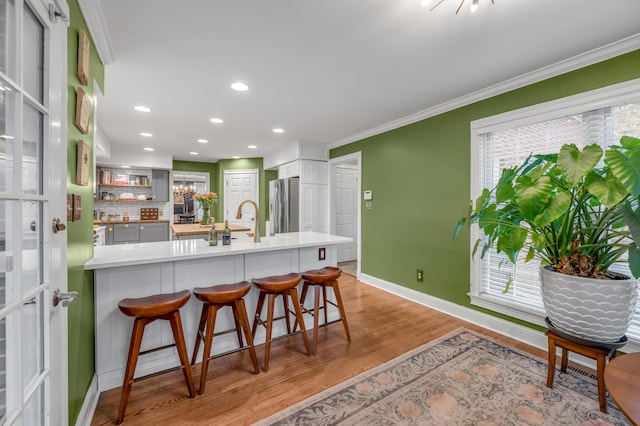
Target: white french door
{"points": [[33, 54], [240, 185]]}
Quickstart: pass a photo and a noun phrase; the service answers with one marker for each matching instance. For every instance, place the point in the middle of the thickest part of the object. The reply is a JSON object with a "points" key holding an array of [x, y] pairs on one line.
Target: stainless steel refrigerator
{"points": [[284, 205]]}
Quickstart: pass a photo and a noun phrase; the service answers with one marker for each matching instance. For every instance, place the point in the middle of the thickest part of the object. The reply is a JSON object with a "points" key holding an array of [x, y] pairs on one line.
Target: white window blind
{"points": [[500, 145]]}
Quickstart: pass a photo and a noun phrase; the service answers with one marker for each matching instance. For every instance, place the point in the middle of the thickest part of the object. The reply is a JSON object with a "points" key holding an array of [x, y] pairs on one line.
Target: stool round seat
{"points": [[328, 273], [278, 283], [223, 293], [154, 306]]}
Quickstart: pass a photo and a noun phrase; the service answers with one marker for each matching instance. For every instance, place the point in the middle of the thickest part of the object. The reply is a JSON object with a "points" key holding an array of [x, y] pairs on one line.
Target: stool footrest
{"points": [[148, 351]]}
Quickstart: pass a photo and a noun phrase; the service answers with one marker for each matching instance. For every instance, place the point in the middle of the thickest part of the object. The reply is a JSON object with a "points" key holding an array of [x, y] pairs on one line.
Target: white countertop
{"points": [[112, 256]]}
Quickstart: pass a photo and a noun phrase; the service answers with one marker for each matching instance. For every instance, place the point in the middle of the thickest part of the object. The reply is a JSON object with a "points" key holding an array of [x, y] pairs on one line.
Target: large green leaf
{"points": [[557, 207], [504, 188], [575, 164], [630, 143], [634, 261], [532, 196], [632, 218], [609, 191], [626, 169], [511, 242]]}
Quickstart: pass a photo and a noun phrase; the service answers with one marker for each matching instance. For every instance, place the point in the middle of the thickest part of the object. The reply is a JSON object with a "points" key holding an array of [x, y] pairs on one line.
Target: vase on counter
{"points": [[206, 219]]}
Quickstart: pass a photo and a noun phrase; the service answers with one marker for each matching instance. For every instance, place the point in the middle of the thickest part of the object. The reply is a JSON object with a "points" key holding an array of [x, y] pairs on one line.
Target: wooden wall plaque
{"points": [[83, 111], [84, 50], [82, 169]]}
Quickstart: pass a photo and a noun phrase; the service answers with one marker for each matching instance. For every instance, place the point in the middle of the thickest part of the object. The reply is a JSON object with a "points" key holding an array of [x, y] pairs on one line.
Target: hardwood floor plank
{"points": [[382, 327]]}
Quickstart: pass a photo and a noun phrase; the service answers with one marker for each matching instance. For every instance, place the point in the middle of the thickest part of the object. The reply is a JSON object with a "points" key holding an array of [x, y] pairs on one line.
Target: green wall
{"points": [[420, 178], [80, 233]]}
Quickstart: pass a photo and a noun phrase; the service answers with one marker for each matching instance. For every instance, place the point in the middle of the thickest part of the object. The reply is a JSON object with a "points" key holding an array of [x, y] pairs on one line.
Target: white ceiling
{"points": [[324, 70]]}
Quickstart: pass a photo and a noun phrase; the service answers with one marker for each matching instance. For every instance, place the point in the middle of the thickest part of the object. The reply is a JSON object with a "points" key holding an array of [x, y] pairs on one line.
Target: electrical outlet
{"points": [[321, 253], [160, 213], [419, 275]]}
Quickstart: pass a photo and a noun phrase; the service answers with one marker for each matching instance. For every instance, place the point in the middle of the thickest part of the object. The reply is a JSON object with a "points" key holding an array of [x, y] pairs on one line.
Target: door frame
{"points": [[352, 159]]}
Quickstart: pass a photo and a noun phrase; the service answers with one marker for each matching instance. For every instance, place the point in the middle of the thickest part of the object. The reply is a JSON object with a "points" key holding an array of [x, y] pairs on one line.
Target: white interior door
{"points": [[346, 215], [33, 147], [240, 185]]}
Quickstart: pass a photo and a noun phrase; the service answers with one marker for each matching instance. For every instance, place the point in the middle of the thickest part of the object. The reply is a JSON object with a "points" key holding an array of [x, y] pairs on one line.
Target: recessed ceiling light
{"points": [[126, 167], [142, 108], [6, 137], [278, 130], [193, 153], [236, 156], [425, 2], [146, 135], [203, 140], [149, 149], [216, 120], [239, 86], [252, 147]]}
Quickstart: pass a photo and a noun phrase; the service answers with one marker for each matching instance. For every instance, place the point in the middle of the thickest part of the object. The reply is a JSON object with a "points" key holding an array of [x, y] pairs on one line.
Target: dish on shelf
{"points": [[127, 196]]}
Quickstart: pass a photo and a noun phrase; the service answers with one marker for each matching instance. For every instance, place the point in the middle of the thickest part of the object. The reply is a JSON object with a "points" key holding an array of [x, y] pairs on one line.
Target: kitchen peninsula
{"points": [[138, 270]]}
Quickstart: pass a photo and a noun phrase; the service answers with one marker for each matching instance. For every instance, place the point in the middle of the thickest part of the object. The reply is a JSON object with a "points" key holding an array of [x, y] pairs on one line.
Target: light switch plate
{"points": [[368, 195]]}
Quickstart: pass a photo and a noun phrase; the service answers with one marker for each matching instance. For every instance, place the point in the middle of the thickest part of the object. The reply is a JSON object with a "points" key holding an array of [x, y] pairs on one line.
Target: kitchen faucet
{"points": [[256, 231]]}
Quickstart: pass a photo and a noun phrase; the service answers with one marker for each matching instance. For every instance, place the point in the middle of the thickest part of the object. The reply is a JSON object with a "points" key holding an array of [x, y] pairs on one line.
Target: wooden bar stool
{"points": [[321, 279], [285, 286], [145, 310], [215, 298]]}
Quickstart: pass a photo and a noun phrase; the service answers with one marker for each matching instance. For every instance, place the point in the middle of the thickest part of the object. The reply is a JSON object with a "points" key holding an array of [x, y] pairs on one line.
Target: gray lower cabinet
{"points": [[160, 185], [150, 232], [108, 235], [125, 233]]}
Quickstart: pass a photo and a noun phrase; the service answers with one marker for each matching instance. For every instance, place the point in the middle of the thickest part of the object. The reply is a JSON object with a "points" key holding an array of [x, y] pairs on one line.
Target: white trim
{"points": [[515, 331], [594, 56], [92, 13], [85, 416]]}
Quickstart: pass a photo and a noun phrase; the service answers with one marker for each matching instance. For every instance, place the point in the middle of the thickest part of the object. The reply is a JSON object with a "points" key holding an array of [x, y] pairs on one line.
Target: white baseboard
{"points": [[515, 331], [89, 405]]}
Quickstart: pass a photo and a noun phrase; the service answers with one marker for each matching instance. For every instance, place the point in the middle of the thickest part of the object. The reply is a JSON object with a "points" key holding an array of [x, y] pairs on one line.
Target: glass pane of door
{"points": [[33, 51], [8, 36], [7, 137]]}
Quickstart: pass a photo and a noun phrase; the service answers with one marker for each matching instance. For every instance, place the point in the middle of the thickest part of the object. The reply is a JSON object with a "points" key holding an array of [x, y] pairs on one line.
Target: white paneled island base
{"points": [[139, 270]]}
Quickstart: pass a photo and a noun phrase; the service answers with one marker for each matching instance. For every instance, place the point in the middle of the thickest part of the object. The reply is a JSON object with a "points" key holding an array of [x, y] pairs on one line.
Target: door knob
{"points": [[65, 298], [58, 225]]}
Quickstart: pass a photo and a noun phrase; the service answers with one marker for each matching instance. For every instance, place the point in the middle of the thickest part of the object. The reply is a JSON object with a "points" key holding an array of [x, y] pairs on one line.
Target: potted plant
{"points": [[578, 215]]}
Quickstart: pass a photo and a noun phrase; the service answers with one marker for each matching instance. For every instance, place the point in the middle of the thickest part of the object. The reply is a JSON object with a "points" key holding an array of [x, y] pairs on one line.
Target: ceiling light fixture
{"points": [[239, 86], [149, 149], [203, 141], [193, 153], [142, 108], [146, 135], [236, 156], [278, 130], [126, 167], [252, 147], [216, 120], [474, 5]]}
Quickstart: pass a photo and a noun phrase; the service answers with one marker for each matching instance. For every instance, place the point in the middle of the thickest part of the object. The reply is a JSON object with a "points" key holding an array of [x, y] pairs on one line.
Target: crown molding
{"points": [[92, 13], [591, 57]]}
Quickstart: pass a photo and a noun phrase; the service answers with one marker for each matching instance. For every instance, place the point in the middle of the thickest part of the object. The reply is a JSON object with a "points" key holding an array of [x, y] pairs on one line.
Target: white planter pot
{"points": [[588, 308]]}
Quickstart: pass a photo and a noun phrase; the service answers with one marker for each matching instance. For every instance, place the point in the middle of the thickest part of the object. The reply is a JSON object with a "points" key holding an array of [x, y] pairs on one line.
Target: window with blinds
{"points": [[541, 129]]}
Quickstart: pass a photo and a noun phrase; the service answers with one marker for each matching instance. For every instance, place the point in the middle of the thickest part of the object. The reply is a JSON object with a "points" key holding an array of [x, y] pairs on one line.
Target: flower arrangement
{"points": [[206, 200]]}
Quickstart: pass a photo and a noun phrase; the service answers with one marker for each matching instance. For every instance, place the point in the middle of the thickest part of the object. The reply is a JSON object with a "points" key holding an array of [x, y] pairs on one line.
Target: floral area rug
{"points": [[463, 378]]}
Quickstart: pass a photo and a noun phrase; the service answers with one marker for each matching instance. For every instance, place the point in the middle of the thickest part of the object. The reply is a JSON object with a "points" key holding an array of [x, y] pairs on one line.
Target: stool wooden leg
{"points": [[601, 360], [285, 305], [237, 321], [256, 317], [303, 297], [208, 341], [293, 293], [316, 317], [244, 323], [343, 314], [203, 321], [552, 362], [324, 303], [565, 360], [132, 359], [178, 336], [267, 343]]}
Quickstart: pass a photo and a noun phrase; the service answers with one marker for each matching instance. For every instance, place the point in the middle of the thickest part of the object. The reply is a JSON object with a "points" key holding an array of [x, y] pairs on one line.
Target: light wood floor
{"points": [[382, 327]]}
